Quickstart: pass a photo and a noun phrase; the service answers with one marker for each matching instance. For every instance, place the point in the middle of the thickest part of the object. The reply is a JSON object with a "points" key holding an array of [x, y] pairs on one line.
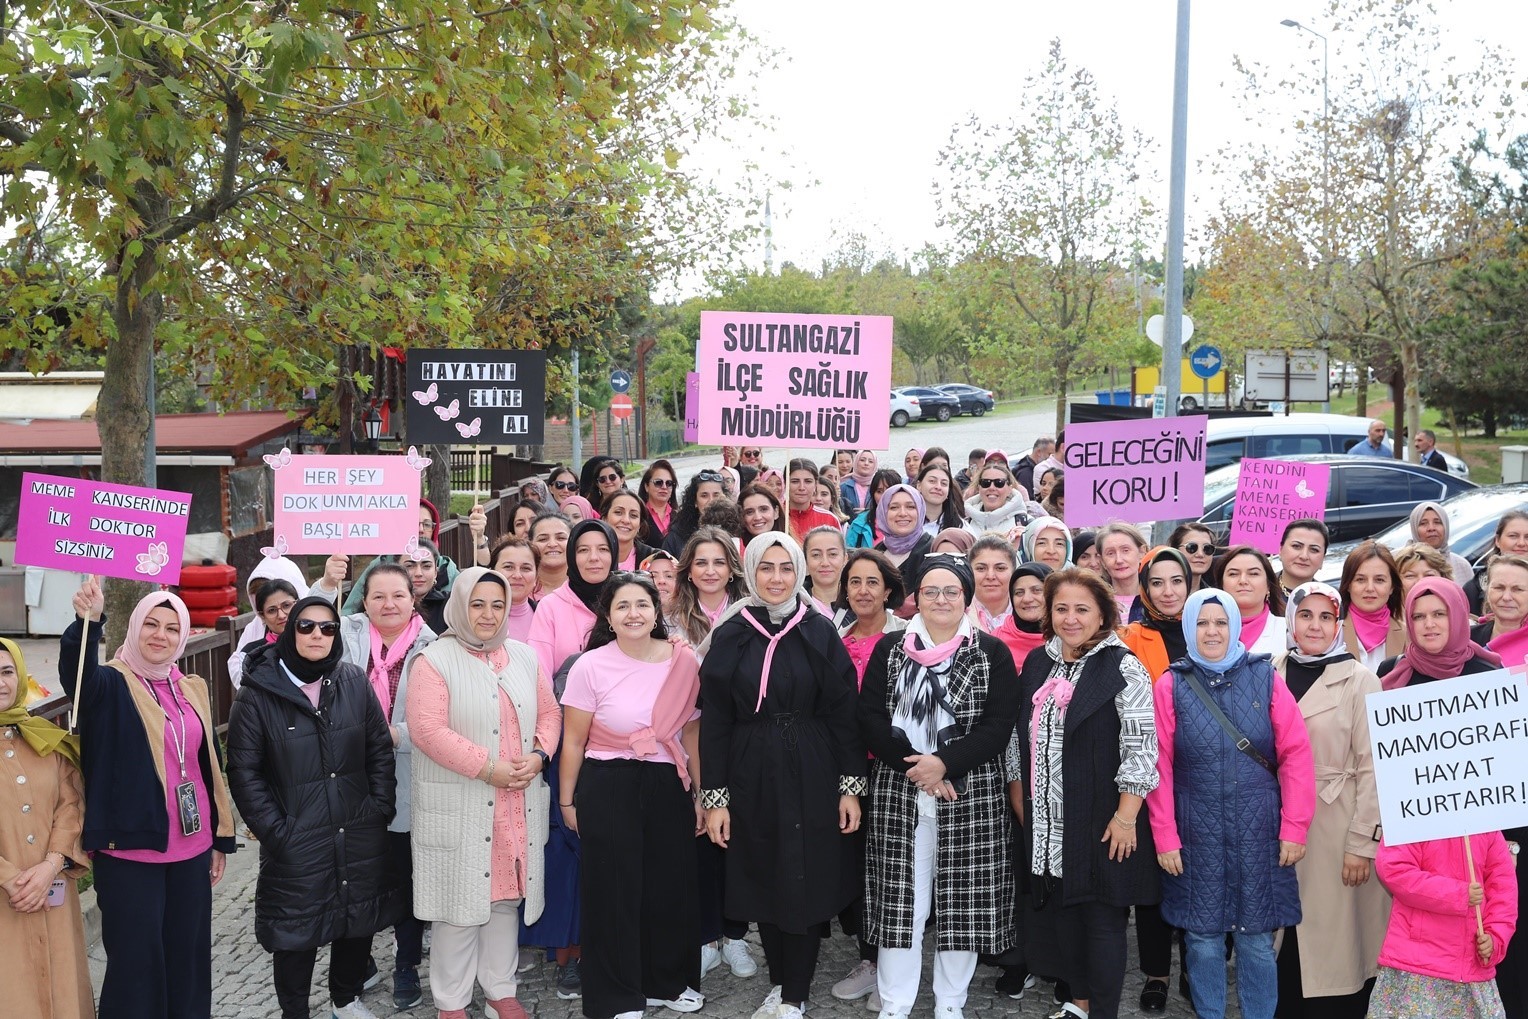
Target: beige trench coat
{"points": [[1342, 928], [43, 970]]}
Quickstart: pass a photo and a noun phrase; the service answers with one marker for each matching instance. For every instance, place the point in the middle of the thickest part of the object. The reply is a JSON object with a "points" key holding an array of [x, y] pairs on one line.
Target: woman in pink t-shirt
{"points": [[629, 764]]}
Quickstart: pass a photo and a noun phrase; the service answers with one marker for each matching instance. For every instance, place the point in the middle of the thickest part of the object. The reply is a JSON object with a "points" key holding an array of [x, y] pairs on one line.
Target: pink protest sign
{"points": [[795, 380], [1134, 471], [1271, 493], [92, 527], [692, 407], [358, 505]]}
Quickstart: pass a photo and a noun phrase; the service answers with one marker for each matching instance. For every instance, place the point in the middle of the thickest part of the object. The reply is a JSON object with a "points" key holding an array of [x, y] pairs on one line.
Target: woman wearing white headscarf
{"points": [[1429, 525], [484, 722], [1329, 960], [781, 764]]}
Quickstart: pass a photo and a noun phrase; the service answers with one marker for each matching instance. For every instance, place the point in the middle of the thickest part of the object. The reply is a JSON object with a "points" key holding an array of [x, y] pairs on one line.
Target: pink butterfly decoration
{"points": [[412, 550], [152, 562], [276, 461], [427, 396], [277, 550], [468, 431], [449, 411], [414, 460]]}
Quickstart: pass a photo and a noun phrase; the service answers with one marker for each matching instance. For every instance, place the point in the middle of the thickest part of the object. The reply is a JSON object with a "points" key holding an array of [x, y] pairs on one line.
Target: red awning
{"points": [[225, 434]]}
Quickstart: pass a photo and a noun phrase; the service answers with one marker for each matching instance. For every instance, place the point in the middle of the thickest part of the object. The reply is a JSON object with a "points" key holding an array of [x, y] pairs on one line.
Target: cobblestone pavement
{"points": [[241, 976]]}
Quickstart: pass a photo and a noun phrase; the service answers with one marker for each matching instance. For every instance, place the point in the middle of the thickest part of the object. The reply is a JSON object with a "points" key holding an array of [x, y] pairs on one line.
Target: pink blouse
{"points": [[177, 711], [428, 709]]}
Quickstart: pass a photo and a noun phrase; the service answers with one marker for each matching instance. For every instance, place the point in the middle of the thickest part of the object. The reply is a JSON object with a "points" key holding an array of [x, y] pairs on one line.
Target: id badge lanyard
{"points": [[185, 791]]}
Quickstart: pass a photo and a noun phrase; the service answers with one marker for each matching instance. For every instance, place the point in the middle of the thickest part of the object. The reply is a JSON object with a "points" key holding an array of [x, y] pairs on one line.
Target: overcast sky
{"points": [[867, 92]]}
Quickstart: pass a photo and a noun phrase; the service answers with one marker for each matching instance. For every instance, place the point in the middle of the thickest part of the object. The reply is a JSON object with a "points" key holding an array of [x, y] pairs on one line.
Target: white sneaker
{"points": [[630, 1015], [689, 1000], [873, 1003], [771, 1007], [948, 1012], [885, 1014], [788, 1012], [859, 982], [355, 1010], [710, 958], [738, 958]]}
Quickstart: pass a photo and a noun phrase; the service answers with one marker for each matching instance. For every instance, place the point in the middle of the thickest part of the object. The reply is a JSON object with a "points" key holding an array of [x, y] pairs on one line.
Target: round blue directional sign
{"points": [[620, 380], [1206, 361]]}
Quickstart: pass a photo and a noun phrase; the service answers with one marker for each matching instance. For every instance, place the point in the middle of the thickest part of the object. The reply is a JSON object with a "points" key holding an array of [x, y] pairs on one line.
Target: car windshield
{"points": [[1468, 514], [1220, 483]]}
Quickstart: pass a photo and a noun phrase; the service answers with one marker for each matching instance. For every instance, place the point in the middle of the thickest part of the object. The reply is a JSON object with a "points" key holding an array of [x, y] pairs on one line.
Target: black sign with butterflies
{"points": [[477, 397]]}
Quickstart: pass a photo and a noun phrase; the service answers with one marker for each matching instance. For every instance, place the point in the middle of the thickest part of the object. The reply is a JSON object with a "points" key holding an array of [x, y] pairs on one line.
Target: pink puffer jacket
{"points": [[1432, 927]]}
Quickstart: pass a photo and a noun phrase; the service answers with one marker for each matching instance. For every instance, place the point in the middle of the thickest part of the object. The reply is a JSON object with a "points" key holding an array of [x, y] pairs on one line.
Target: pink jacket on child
{"points": [[1432, 926]]}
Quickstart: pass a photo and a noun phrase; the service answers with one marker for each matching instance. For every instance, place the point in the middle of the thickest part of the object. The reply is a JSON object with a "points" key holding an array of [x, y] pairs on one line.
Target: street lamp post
{"points": [[1326, 186]]}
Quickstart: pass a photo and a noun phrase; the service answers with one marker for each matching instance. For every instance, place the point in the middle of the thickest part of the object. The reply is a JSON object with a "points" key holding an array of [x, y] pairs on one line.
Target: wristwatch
{"points": [[545, 760]]}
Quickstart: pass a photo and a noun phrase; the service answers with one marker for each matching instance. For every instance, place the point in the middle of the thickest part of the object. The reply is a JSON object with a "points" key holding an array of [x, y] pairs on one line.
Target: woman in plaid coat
{"points": [[937, 709]]}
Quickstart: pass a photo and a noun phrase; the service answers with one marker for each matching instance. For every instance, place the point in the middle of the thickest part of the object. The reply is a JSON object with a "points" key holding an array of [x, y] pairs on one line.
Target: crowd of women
{"points": [[642, 723]]}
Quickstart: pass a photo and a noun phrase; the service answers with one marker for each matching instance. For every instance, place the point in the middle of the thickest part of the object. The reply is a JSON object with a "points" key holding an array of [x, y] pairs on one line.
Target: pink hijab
{"points": [[1460, 648], [129, 651], [583, 504]]}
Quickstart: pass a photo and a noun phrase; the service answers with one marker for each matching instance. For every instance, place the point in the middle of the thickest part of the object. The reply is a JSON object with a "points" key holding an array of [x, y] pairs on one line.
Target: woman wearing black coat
{"points": [[310, 766]]}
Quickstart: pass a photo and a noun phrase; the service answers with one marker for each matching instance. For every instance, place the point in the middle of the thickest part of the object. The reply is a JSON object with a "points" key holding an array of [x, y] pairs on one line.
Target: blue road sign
{"points": [[1206, 361], [620, 380]]}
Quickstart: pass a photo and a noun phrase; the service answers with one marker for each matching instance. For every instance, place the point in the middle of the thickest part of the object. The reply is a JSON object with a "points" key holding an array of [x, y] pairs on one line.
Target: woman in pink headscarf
{"points": [[1438, 646], [158, 819]]}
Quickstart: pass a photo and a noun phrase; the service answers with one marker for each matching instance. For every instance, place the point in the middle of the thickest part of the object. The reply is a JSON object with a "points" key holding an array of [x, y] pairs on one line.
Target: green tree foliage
{"points": [[247, 185], [1045, 208]]}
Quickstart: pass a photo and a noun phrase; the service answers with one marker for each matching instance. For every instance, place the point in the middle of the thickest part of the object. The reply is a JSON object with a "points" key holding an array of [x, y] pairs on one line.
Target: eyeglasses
{"points": [[565, 486], [606, 479], [940, 593], [1194, 548], [994, 482], [277, 610], [328, 628], [662, 482]]}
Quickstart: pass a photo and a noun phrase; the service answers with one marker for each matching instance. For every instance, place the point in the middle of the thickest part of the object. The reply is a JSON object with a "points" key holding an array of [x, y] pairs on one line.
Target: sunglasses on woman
{"points": [[606, 479], [1194, 548], [662, 482], [328, 628], [994, 482], [565, 486], [714, 476]]}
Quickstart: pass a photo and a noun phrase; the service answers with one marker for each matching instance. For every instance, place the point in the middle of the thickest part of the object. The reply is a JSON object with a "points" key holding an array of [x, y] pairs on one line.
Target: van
{"points": [[1227, 440]]}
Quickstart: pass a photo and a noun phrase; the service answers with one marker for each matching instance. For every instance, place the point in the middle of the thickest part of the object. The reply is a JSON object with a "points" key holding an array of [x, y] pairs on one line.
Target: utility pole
{"points": [[1172, 325]]}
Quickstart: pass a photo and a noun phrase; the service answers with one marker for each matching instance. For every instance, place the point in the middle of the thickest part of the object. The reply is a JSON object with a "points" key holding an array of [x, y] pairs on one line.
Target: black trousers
{"points": [[1154, 941], [641, 919], [294, 975], [409, 931], [1293, 1004], [792, 959], [711, 871], [1085, 944], [156, 927], [852, 920]]}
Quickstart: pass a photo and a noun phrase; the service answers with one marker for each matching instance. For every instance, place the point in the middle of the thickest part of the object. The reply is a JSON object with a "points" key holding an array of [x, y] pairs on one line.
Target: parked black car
{"points": [[974, 400], [936, 406], [1366, 495]]}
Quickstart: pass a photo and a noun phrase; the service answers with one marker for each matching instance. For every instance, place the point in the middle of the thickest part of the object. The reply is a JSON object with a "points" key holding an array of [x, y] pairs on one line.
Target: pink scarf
{"points": [[1459, 650], [929, 657], [129, 654], [382, 661], [1253, 627], [672, 708], [774, 642], [714, 616], [1371, 628], [1512, 646], [1059, 688]]}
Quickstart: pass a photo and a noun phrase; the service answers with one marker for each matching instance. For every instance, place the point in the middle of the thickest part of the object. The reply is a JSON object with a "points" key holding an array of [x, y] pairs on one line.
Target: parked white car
{"points": [[903, 409]]}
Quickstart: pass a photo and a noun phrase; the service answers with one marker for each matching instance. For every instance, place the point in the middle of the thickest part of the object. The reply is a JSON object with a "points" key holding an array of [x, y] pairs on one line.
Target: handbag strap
{"points": [[1242, 743]]}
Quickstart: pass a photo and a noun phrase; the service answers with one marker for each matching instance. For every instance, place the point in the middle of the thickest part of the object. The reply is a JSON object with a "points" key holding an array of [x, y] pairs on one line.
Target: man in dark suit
{"points": [[1426, 445]]}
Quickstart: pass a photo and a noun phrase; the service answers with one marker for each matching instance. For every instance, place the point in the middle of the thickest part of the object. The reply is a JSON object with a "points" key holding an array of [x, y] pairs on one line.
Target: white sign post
{"points": [[1448, 756]]}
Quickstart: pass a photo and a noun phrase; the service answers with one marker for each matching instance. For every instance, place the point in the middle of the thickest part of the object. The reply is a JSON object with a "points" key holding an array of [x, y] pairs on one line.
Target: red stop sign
{"points": [[620, 407]]}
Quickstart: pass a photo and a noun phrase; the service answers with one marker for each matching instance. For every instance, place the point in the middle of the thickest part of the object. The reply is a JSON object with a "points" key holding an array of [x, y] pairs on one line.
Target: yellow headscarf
{"points": [[41, 735]]}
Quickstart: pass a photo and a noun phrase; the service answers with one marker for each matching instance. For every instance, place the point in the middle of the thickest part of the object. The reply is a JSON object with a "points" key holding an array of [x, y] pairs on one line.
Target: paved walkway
{"points": [[241, 976]]}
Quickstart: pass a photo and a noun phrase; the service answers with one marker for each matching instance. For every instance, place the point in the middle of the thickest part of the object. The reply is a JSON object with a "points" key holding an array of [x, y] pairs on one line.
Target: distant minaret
{"points": [[769, 238]]}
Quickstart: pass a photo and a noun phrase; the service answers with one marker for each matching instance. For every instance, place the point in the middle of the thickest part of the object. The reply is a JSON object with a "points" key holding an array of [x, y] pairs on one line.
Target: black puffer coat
{"points": [[317, 789]]}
